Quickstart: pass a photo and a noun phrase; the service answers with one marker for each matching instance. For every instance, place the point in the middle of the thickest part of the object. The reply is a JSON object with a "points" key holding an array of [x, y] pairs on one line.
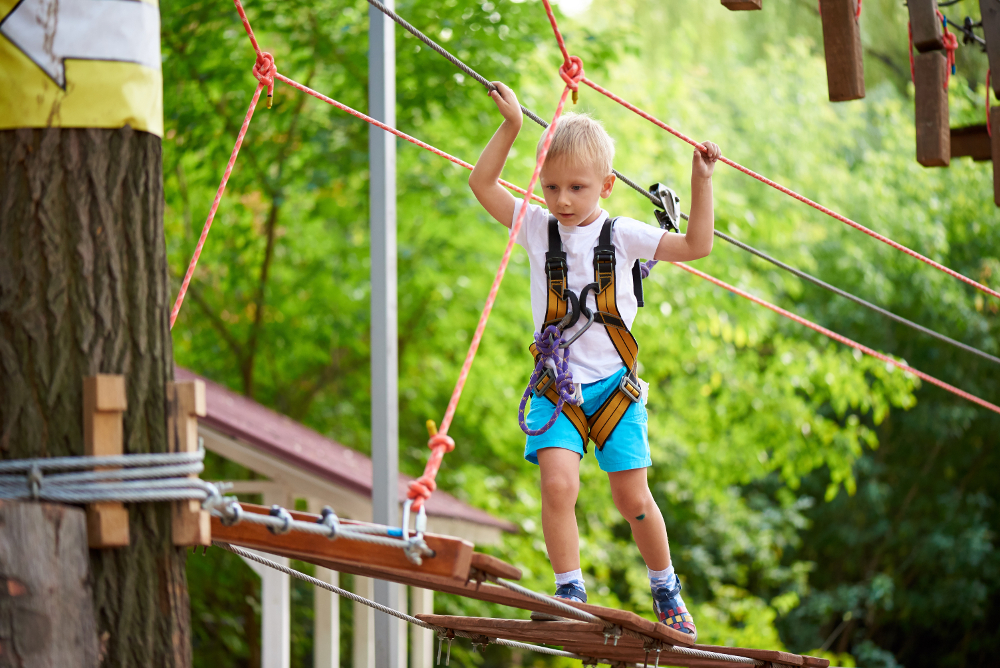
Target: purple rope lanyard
{"points": [[549, 343]]}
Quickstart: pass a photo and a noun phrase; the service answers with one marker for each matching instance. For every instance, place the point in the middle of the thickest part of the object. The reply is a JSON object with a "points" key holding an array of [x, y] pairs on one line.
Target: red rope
{"points": [[791, 193], [215, 204], [842, 339], [440, 443], [950, 46], [555, 29]]}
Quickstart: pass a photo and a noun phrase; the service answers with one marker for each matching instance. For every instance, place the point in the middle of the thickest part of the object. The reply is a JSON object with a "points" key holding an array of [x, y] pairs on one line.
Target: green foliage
{"points": [[815, 499]]}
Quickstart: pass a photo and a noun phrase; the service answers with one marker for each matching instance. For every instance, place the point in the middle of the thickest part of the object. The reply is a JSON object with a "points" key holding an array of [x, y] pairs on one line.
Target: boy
{"points": [[577, 173]]}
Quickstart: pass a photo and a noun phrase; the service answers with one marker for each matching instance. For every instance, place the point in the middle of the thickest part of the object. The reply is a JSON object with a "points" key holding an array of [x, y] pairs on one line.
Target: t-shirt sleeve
{"points": [[638, 240], [534, 216]]}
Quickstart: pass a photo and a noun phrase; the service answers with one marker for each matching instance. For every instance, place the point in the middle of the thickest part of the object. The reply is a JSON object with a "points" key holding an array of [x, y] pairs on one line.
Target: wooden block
{"points": [[972, 141], [995, 143], [925, 24], [786, 658], [990, 12], [815, 661], [845, 70], [741, 5], [191, 525], [104, 402], [493, 566], [933, 131]]}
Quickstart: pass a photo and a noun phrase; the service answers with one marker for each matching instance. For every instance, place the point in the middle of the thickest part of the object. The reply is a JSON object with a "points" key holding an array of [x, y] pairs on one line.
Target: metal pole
{"points": [[384, 353]]}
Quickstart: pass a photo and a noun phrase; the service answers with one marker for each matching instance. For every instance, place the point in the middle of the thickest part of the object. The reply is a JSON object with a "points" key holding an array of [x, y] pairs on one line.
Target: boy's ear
{"points": [[609, 184]]}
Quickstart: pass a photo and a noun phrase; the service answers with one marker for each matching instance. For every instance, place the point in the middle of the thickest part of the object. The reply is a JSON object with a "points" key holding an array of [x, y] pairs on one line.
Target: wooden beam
{"points": [[925, 24], [104, 403], [191, 525], [452, 556], [995, 143], [494, 566], [845, 70], [521, 630], [741, 5], [931, 105], [990, 12], [972, 141]]}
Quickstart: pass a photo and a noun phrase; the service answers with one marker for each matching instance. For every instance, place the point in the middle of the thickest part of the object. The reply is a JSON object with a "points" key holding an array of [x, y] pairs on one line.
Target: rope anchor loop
{"points": [[571, 72]]}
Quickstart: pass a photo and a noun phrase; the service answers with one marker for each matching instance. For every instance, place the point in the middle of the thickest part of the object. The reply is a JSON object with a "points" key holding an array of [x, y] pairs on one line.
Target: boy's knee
{"points": [[560, 488], [634, 504]]}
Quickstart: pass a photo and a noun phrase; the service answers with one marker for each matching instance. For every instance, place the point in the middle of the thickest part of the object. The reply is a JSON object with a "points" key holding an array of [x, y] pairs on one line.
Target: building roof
{"points": [[246, 420]]}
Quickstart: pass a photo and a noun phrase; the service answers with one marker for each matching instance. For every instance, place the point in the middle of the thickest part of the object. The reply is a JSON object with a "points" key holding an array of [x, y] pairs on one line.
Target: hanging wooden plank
{"points": [[933, 132], [990, 12], [191, 525], [741, 5], [995, 143], [845, 71], [972, 141], [104, 404], [523, 630], [452, 556], [925, 25]]}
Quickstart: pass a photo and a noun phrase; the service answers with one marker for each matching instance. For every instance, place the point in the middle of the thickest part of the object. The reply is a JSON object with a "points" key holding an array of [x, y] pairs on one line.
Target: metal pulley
{"points": [[669, 212]]}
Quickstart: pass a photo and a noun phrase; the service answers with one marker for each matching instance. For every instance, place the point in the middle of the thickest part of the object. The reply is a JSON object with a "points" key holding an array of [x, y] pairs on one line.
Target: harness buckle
{"points": [[631, 388], [669, 212], [548, 379]]}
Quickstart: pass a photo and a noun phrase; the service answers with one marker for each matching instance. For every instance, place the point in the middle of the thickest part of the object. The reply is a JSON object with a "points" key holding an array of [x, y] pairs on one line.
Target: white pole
{"points": [[384, 354]]}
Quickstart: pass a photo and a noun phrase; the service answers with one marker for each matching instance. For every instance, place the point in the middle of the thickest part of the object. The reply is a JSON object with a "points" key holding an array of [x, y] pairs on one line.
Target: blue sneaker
{"points": [[670, 609], [568, 592]]}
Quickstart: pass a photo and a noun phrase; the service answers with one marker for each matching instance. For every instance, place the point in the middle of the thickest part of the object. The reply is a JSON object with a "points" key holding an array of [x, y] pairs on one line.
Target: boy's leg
{"points": [[560, 484], [634, 501]]}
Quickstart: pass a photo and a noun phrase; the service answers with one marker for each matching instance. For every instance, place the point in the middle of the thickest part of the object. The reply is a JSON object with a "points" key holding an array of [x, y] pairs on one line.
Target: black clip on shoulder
{"points": [[669, 212]]}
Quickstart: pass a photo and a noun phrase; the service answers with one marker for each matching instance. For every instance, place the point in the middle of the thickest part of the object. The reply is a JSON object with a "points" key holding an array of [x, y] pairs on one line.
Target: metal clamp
{"points": [[284, 516], [669, 213], [415, 548], [232, 514], [330, 521]]}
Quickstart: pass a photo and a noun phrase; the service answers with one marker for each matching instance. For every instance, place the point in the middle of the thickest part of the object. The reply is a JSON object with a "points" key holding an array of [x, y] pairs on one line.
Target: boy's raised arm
{"points": [[496, 199], [696, 243]]}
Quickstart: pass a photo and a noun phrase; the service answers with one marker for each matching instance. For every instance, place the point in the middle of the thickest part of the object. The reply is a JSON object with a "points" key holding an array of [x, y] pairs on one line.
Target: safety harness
{"points": [[564, 309]]}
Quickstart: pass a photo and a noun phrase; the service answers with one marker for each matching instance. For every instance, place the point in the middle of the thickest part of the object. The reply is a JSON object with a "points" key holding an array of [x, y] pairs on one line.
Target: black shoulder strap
{"points": [[637, 282], [606, 251]]}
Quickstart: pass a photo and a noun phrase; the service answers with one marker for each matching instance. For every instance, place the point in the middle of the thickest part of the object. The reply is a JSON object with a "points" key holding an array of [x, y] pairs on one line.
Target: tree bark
{"points": [[84, 290]]}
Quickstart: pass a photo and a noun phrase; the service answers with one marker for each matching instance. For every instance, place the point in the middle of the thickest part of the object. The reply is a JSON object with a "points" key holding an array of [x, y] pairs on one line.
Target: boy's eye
{"points": [[577, 187]]}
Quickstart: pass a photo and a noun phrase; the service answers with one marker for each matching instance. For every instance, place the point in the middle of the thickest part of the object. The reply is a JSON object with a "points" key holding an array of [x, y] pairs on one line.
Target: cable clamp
{"points": [[35, 481], [330, 520], [284, 516], [232, 514]]}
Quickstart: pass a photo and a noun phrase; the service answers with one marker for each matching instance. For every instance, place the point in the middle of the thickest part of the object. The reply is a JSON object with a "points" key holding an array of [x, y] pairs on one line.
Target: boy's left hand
{"points": [[704, 163]]}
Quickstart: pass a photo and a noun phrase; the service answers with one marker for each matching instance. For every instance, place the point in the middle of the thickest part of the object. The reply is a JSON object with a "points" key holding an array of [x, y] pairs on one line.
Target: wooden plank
{"points": [[786, 658], [995, 143], [815, 661], [931, 105], [190, 524], [638, 656], [452, 556], [741, 5], [523, 630], [972, 141], [494, 566], [845, 70], [483, 592], [104, 403], [990, 12], [925, 24]]}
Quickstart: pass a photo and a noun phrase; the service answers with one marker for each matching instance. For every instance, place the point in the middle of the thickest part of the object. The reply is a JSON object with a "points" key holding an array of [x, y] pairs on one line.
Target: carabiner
{"points": [[669, 212]]}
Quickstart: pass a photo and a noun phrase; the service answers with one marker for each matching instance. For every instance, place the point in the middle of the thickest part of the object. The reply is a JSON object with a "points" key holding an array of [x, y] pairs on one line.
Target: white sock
{"points": [[575, 577], [666, 577]]}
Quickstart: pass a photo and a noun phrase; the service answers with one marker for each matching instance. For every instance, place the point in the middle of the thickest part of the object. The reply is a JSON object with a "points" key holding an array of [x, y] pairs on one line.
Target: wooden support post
{"points": [[925, 24], [933, 131], [845, 70], [104, 403], [990, 12], [47, 613], [741, 5], [191, 524], [995, 142]]}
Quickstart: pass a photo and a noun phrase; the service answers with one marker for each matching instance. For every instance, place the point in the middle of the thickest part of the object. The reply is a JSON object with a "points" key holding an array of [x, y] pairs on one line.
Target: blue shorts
{"points": [[628, 446]]}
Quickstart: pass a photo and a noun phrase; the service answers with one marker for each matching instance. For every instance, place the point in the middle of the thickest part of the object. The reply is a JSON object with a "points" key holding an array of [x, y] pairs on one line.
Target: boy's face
{"points": [[573, 190]]}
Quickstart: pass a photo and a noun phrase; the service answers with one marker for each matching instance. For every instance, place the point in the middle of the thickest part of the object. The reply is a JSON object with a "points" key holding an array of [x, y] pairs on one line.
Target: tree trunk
{"points": [[83, 290]]}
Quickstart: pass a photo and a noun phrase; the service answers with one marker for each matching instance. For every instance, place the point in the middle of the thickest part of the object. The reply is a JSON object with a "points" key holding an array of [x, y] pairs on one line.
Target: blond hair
{"points": [[580, 137]]}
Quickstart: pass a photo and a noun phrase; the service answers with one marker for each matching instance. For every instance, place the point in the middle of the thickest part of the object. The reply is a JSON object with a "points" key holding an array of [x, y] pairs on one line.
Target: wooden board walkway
{"points": [[587, 639]]}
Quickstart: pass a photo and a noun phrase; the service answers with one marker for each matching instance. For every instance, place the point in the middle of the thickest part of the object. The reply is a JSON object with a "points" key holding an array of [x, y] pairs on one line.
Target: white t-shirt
{"points": [[592, 356]]}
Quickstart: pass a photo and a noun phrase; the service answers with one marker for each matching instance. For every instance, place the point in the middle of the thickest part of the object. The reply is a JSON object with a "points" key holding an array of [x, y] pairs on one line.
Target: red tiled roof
{"points": [[271, 432]]}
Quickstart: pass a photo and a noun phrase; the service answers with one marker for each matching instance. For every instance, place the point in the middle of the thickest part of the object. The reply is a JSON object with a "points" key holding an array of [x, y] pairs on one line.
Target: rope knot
{"points": [[420, 490], [264, 69], [441, 441], [571, 72]]}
